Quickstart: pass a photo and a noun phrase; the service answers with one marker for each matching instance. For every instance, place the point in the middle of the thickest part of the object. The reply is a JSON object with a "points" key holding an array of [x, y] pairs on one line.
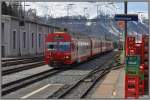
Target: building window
{"points": [[39, 40], [2, 38], [24, 39], [32, 39], [14, 39]]}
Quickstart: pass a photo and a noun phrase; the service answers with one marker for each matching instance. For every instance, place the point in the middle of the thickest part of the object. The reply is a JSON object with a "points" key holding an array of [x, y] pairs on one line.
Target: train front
{"points": [[58, 49]]}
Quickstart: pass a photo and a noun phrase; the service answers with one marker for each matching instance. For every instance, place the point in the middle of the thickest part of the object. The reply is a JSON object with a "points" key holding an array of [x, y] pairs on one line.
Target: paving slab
{"points": [[120, 85], [35, 91], [43, 92], [112, 86], [23, 74]]}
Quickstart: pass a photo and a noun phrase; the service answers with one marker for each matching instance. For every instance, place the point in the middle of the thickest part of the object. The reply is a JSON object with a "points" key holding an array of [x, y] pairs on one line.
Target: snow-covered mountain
{"points": [[105, 26]]}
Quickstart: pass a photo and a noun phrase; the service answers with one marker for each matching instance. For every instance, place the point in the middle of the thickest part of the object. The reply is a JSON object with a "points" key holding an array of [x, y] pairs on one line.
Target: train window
{"points": [[60, 46], [79, 43], [64, 46], [51, 45], [14, 39]]}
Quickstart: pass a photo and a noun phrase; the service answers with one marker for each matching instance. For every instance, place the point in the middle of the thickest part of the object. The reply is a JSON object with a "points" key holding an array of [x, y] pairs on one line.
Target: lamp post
{"points": [[112, 3], [68, 8], [21, 23], [97, 11], [85, 8], [125, 34]]}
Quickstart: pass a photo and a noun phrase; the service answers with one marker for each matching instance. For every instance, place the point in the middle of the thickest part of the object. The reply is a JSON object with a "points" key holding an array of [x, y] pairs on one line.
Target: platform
{"points": [[112, 86]]}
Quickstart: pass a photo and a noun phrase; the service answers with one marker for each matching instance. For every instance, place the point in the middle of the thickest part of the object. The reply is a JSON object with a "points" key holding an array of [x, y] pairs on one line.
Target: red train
{"points": [[66, 48]]}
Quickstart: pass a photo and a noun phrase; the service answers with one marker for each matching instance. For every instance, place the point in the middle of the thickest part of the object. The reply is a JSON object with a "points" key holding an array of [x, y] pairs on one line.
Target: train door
{"points": [[91, 47], [78, 51], [73, 50]]}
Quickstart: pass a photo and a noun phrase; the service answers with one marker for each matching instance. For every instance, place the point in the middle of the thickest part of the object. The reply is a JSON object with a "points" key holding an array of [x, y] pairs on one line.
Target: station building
{"points": [[23, 40]]}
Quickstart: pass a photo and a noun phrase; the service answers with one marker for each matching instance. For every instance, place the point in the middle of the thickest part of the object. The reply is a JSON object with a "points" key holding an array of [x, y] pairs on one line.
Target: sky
{"points": [[57, 9], [134, 7]]}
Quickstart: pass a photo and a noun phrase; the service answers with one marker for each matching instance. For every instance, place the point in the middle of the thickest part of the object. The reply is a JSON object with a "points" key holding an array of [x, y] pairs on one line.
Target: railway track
{"points": [[20, 58], [10, 62], [21, 67], [15, 85], [21, 83], [11, 66], [82, 87]]}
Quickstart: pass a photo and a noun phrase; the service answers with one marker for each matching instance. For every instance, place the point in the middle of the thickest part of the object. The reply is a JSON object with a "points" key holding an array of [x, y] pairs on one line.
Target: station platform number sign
{"points": [[126, 17]]}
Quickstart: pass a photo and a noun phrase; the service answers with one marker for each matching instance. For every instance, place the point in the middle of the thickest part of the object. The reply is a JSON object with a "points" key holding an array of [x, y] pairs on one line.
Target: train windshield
{"points": [[51, 46], [64, 46], [58, 46]]}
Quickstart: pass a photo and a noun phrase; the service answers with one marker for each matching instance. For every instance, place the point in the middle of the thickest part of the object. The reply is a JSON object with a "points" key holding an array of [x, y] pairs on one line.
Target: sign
{"points": [[121, 24], [126, 17], [133, 61], [58, 38]]}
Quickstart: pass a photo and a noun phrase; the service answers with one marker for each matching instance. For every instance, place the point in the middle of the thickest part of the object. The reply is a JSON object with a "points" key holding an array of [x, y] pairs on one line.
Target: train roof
{"points": [[74, 34], [81, 35]]}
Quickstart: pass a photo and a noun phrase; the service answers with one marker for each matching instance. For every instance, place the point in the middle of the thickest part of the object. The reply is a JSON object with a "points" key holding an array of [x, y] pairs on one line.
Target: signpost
{"points": [[131, 81], [122, 22], [123, 18]]}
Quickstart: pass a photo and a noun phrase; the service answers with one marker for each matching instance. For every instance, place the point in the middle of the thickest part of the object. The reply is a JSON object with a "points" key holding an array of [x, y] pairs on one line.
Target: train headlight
{"points": [[66, 57]]}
